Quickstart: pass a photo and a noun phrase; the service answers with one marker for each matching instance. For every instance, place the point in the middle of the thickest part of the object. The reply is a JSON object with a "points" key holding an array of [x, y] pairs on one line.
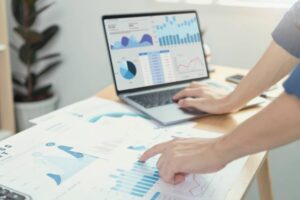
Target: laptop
{"points": [[153, 56]]}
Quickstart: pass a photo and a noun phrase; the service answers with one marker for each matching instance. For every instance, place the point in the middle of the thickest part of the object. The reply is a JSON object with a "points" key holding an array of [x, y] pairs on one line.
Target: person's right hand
{"points": [[180, 157], [204, 98]]}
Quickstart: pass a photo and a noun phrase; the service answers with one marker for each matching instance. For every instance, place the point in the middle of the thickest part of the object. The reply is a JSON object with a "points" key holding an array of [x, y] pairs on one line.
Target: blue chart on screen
{"points": [[136, 181], [172, 32], [128, 70], [132, 42]]}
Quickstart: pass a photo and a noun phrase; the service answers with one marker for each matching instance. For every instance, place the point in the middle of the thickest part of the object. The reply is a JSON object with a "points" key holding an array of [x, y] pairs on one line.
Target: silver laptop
{"points": [[153, 56]]}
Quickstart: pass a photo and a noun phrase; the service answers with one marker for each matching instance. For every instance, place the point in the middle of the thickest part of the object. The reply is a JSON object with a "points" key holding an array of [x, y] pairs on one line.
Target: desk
{"points": [[256, 166]]}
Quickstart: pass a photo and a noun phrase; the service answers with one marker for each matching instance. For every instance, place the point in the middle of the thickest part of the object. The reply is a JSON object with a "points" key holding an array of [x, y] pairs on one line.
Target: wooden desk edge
{"points": [[247, 175]]}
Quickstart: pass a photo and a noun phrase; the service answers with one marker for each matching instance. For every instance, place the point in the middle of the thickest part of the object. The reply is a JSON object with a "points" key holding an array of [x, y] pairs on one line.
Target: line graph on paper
{"points": [[198, 187], [194, 187]]}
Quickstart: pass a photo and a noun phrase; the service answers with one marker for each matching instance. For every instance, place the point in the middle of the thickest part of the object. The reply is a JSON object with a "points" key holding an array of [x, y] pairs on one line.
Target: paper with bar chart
{"points": [[155, 50], [69, 158]]}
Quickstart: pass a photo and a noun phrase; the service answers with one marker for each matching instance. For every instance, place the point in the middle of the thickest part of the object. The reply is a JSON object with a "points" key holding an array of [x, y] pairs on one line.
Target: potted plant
{"points": [[31, 98]]}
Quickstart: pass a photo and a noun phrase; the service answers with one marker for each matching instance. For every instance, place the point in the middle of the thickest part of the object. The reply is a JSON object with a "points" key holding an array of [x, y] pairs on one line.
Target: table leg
{"points": [[264, 181]]}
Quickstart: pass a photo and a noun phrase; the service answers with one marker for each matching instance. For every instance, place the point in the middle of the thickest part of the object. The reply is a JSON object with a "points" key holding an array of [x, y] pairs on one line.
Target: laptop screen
{"points": [[155, 49]]}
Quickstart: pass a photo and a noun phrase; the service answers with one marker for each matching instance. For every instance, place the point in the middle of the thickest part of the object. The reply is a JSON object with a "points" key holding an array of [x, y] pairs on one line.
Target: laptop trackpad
{"points": [[192, 111], [172, 113]]}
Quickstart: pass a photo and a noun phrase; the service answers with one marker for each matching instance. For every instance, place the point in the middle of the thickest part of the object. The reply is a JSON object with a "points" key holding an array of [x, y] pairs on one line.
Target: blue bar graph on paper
{"points": [[172, 32], [155, 196], [136, 181]]}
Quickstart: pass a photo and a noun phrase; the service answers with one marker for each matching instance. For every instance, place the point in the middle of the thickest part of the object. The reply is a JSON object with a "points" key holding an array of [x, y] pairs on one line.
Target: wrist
{"points": [[230, 104], [226, 150]]}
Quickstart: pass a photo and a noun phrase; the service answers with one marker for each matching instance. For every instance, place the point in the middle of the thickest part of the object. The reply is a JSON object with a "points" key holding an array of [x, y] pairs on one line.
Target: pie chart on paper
{"points": [[128, 70]]}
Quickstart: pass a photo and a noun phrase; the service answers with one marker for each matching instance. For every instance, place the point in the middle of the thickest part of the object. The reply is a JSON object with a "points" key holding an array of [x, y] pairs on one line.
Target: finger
{"points": [[168, 172], [188, 92], [160, 162], [199, 104], [157, 149], [189, 103], [203, 104], [179, 178]]}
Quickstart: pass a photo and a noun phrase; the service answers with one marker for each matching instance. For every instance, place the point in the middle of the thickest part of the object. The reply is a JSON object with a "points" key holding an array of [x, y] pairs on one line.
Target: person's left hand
{"points": [[180, 157]]}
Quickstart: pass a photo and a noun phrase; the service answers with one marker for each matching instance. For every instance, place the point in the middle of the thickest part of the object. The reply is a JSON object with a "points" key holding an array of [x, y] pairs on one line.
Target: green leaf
{"points": [[49, 68], [27, 54], [17, 10], [17, 82], [50, 56], [43, 9], [42, 91], [48, 34], [29, 36], [23, 12]]}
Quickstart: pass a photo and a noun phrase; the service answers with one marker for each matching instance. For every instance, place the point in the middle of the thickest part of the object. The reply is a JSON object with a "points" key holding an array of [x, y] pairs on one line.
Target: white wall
{"points": [[237, 37]]}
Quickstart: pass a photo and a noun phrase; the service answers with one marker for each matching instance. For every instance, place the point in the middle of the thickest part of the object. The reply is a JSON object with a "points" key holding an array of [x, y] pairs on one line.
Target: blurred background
{"points": [[237, 32]]}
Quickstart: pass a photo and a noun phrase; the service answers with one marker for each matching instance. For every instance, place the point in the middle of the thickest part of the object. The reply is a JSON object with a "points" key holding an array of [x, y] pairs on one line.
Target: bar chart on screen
{"points": [[175, 32]]}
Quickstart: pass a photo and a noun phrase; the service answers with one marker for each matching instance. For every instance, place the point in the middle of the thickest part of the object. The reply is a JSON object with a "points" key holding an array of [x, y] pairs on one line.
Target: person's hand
{"points": [[205, 98], [180, 157]]}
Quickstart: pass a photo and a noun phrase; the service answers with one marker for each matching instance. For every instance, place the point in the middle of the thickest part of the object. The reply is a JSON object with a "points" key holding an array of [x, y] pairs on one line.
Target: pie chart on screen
{"points": [[128, 70]]}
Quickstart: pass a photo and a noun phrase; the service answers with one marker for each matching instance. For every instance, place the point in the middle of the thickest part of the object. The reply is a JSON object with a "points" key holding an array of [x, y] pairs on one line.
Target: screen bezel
{"points": [[119, 92]]}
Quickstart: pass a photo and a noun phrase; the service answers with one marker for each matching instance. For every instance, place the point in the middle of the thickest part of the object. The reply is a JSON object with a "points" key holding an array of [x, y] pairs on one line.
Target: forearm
{"points": [[276, 125], [273, 66]]}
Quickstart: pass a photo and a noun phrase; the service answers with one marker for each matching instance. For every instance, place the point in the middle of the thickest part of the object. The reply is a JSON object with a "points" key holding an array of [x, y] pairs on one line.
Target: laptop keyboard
{"points": [[155, 99], [8, 194]]}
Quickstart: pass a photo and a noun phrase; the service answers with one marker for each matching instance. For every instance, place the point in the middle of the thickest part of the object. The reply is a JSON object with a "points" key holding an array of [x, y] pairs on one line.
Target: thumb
{"points": [[179, 178], [200, 104]]}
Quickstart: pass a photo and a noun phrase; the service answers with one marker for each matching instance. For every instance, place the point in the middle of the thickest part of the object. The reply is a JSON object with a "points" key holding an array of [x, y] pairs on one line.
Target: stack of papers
{"points": [[91, 149]]}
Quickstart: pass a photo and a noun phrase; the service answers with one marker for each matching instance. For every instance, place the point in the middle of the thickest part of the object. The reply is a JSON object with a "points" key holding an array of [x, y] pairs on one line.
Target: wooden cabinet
{"points": [[7, 119]]}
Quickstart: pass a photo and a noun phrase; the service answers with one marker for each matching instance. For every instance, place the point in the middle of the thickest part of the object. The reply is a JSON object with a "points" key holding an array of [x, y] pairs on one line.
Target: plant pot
{"points": [[30, 110], [4, 134]]}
